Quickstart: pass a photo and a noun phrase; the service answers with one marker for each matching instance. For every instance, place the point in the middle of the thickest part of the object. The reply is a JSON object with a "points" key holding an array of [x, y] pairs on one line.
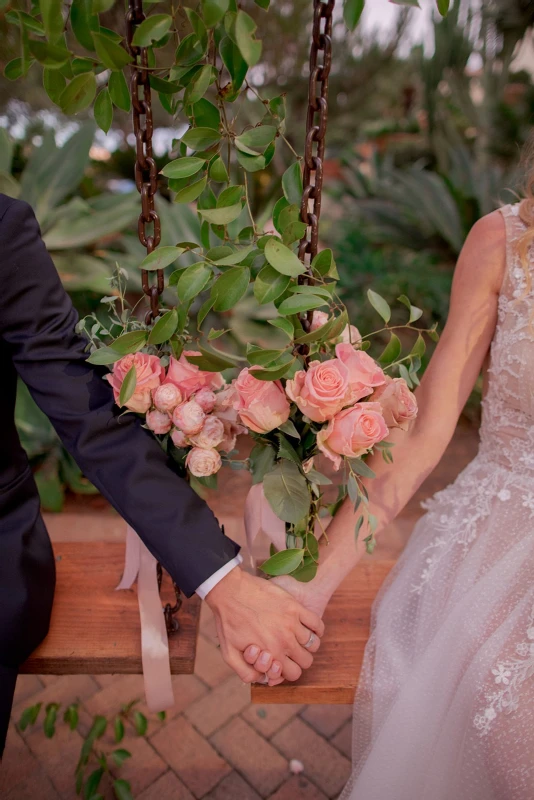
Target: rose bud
{"points": [[206, 400], [189, 417], [202, 463], [158, 422], [319, 319], [179, 439], [351, 335], [167, 397], [211, 434]]}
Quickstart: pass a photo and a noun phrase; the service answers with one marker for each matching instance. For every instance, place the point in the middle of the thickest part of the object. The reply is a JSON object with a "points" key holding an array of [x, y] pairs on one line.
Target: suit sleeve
{"points": [[122, 459]]}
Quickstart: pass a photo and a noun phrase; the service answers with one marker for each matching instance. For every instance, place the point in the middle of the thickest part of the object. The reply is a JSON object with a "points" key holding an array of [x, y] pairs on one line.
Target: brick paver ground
{"points": [[214, 744]]}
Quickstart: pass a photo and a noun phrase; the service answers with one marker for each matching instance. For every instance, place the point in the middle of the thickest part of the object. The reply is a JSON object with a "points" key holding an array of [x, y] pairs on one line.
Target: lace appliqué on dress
{"points": [[509, 675]]}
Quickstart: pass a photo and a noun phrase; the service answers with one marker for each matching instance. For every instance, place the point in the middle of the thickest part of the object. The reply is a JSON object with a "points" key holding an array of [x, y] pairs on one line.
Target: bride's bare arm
{"points": [[444, 390], [445, 387]]}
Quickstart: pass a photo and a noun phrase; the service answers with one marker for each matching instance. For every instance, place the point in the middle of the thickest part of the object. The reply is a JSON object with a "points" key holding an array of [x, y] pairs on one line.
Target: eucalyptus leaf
{"points": [[299, 303], [391, 351], [201, 138], [292, 183], [110, 53], [183, 167], [249, 47], [152, 30], [379, 304], [129, 342], [164, 328], [193, 280], [284, 562], [287, 492], [118, 91], [210, 361], [161, 257], [282, 258], [128, 386], [190, 193], [269, 285], [230, 287], [352, 11]]}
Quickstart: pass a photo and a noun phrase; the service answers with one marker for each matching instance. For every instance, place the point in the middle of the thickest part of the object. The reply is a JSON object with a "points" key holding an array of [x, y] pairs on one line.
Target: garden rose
{"points": [[189, 417], [227, 398], [262, 405], [167, 397], [231, 431], [352, 432], [322, 390], [206, 400], [399, 404], [149, 374], [202, 463], [211, 435], [319, 319], [158, 422], [189, 378], [364, 372], [351, 335], [179, 438]]}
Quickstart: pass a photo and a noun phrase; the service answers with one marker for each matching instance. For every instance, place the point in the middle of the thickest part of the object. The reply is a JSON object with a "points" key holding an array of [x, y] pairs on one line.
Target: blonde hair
{"points": [[526, 214]]}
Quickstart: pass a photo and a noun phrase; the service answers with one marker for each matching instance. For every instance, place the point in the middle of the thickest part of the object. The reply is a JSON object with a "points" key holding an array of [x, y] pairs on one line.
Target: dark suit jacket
{"points": [[38, 343]]}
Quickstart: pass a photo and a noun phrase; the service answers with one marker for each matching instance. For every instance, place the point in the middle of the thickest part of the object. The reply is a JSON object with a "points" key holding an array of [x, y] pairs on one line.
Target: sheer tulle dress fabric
{"points": [[444, 708]]}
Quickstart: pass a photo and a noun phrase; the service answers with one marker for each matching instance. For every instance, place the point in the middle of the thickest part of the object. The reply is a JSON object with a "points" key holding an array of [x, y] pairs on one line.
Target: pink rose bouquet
{"points": [[321, 398]]}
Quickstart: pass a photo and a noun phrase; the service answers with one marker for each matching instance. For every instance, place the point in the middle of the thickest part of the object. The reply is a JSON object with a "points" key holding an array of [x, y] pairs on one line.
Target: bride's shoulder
{"points": [[484, 252]]}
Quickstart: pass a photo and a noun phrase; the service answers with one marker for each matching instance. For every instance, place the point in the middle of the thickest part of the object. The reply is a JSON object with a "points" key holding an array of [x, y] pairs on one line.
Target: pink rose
{"points": [[227, 398], [189, 378], [262, 405], [167, 397], [206, 400], [364, 372], [322, 390], [399, 404], [352, 432], [203, 463], [231, 431], [179, 438], [158, 422], [351, 335], [211, 435], [189, 417], [319, 319], [149, 375]]}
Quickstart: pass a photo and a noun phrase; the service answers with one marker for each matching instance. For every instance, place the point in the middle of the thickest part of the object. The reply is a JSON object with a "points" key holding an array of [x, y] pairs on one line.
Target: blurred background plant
{"points": [[425, 132]]}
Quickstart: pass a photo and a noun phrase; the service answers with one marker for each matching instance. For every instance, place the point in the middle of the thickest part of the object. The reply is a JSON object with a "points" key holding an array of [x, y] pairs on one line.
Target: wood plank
{"points": [[333, 677], [95, 629]]}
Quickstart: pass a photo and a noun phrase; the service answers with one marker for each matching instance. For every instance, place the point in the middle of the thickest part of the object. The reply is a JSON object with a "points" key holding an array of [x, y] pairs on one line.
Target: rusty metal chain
{"points": [[310, 209], [146, 173], [146, 181]]}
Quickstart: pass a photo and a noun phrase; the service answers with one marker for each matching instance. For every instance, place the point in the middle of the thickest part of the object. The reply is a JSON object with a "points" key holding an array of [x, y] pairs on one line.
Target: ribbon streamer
{"points": [[140, 563]]}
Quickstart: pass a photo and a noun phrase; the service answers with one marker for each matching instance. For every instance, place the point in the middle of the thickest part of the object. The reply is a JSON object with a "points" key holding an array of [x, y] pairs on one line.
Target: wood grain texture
{"points": [[334, 674], [95, 629]]}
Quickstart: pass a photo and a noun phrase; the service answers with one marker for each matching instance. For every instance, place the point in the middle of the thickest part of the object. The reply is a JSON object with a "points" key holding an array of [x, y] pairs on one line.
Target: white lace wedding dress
{"points": [[444, 709]]}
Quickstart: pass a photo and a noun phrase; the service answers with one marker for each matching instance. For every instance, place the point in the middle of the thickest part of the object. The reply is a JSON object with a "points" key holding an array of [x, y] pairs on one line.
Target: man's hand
{"points": [[249, 609]]}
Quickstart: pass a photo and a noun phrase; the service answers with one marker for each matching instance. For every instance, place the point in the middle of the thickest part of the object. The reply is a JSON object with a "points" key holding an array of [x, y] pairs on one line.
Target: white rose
{"points": [[189, 417], [202, 463]]}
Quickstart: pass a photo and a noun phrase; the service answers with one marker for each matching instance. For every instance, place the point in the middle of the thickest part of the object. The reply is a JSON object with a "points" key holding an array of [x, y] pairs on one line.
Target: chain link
{"points": [[146, 173], [310, 209]]}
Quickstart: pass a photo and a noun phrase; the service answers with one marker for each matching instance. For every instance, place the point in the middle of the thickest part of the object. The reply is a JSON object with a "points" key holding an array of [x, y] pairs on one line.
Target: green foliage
{"points": [[98, 763]]}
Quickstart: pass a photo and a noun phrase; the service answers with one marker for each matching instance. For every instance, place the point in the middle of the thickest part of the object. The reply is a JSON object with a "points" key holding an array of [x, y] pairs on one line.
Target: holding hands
{"points": [[285, 634]]}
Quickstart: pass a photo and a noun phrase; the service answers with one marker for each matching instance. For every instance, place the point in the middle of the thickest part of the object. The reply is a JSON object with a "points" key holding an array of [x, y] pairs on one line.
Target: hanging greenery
{"points": [[167, 367]]}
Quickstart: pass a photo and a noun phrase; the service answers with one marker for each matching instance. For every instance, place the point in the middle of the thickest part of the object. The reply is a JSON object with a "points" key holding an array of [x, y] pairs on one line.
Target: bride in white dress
{"points": [[444, 709]]}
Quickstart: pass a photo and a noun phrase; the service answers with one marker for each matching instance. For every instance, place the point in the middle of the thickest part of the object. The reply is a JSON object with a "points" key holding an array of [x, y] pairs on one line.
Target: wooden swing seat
{"points": [[333, 677], [95, 629]]}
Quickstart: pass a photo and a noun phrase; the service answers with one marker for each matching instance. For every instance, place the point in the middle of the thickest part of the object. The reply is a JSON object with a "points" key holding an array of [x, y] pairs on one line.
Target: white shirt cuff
{"points": [[221, 573]]}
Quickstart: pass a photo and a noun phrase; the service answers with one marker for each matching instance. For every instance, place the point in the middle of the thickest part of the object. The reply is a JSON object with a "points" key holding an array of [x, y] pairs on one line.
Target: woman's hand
{"points": [[307, 595]]}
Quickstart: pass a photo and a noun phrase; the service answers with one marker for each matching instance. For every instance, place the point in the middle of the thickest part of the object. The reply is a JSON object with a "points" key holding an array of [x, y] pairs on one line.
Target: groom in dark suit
{"points": [[38, 343]]}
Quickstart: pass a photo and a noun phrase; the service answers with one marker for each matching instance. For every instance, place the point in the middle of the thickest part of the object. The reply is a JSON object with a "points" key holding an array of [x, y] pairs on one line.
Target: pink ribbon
{"points": [[259, 517], [140, 563]]}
